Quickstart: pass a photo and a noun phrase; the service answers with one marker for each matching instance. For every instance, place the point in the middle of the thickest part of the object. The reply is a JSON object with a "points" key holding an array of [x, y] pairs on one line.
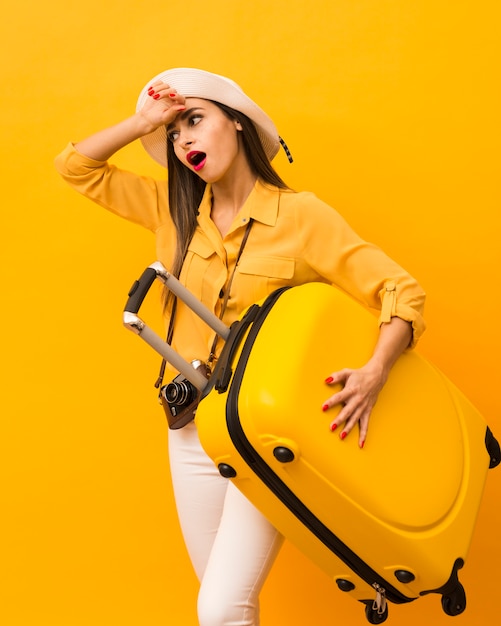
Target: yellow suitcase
{"points": [[391, 522]]}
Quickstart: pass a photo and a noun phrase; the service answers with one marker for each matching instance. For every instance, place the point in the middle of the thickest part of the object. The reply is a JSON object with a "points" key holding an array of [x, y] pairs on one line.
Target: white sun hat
{"points": [[194, 83]]}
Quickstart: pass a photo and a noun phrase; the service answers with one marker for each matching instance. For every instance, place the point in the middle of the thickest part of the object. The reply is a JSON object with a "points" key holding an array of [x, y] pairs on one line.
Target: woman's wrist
{"points": [[141, 125]]}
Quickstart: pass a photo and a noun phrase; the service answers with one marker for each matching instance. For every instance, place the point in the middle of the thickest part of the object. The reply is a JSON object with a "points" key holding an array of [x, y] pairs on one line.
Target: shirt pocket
{"points": [[260, 276], [198, 269]]}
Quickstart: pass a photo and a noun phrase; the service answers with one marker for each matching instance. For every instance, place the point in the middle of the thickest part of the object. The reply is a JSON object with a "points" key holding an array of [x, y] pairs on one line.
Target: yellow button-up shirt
{"points": [[295, 238]]}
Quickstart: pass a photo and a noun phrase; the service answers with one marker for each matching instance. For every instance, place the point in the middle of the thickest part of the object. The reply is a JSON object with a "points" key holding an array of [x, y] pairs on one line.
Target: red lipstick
{"points": [[196, 159]]}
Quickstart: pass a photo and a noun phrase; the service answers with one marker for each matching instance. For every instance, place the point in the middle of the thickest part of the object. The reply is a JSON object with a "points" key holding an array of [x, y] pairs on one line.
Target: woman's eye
{"points": [[194, 119], [173, 135]]}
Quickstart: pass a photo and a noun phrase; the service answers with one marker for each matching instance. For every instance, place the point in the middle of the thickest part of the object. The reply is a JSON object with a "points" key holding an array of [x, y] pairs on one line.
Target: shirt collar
{"points": [[261, 204]]}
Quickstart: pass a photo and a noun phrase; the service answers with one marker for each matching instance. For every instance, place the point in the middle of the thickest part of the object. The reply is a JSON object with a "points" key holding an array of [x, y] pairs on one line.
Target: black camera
{"points": [[179, 393], [180, 398]]}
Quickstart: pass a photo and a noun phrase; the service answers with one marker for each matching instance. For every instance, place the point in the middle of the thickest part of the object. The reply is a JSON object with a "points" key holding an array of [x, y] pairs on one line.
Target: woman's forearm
{"points": [[103, 144], [394, 338]]}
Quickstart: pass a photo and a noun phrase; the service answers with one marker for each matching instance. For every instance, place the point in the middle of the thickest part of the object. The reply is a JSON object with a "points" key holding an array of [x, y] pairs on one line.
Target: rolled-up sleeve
{"points": [[409, 306]]}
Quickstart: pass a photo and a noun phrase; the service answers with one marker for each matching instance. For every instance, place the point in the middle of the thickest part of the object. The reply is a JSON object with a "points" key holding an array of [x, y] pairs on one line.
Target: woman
{"points": [[217, 145]]}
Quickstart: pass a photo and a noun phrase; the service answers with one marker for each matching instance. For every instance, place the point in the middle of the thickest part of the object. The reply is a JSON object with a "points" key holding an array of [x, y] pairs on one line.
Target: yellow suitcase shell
{"points": [[392, 521]]}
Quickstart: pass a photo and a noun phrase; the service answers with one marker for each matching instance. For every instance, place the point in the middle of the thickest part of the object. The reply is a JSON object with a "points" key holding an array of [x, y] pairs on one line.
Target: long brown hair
{"points": [[186, 189]]}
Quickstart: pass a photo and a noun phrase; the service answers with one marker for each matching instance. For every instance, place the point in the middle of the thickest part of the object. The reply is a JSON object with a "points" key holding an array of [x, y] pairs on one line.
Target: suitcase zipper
{"points": [[379, 604], [384, 590]]}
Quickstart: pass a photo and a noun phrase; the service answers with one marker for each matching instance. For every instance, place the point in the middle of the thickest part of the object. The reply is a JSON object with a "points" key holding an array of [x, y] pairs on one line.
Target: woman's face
{"points": [[206, 141]]}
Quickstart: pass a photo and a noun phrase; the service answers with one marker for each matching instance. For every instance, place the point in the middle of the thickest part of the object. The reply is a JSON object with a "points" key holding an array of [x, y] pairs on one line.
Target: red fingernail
{"points": [[172, 95], [362, 444], [325, 407], [329, 380], [343, 434], [156, 96], [333, 427]]}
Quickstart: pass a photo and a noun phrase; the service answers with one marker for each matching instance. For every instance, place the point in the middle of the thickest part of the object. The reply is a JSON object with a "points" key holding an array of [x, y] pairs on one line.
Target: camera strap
{"points": [[212, 354], [170, 331]]}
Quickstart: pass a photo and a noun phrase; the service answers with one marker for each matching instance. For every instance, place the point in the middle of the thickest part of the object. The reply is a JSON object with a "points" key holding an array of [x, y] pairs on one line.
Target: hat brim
{"points": [[195, 83]]}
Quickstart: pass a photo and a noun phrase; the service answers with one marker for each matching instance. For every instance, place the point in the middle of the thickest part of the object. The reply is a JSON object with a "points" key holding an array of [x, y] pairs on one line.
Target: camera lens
{"points": [[179, 393]]}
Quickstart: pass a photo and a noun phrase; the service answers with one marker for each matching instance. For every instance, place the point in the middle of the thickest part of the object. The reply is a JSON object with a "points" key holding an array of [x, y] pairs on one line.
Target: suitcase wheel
{"points": [[454, 603], [375, 616], [492, 448]]}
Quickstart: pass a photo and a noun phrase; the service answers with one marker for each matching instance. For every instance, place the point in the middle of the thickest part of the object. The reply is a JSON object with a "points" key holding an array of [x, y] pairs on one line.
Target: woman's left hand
{"points": [[361, 386], [358, 396]]}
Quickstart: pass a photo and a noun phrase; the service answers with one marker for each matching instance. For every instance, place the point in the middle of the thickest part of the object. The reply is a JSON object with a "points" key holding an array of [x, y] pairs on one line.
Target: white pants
{"points": [[231, 545]]}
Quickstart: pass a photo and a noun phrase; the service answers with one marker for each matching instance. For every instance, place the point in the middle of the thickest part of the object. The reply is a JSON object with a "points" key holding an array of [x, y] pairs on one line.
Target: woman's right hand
{"points": [[162, 105]]}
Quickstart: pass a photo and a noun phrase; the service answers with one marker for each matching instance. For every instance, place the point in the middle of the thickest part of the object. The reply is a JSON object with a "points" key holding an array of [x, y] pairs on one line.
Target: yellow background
{"points": [[391, 109]]}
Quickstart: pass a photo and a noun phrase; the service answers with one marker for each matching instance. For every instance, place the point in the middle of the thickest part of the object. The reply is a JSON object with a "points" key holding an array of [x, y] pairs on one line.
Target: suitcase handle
{"points": [[136, 325], [136, 296], [139, 290], [141, 287], [223, 371]]}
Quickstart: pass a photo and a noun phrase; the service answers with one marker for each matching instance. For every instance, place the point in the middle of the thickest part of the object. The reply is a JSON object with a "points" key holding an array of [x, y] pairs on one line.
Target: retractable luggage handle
{"points": [[134, 323]]}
